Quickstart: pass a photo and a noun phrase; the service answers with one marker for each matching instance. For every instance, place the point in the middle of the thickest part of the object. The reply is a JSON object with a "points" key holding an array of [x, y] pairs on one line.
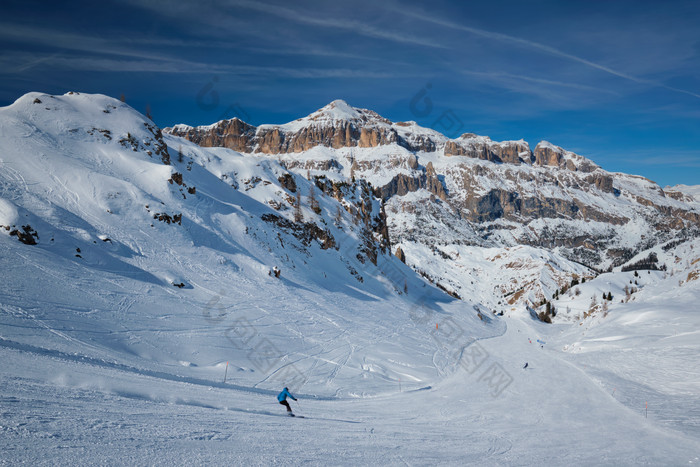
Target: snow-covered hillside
{"points": [[181, 245], [157, 295]]}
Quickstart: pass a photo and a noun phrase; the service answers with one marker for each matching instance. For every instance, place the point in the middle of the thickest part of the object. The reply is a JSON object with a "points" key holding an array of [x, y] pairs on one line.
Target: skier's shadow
{"points": [[274, 414]]}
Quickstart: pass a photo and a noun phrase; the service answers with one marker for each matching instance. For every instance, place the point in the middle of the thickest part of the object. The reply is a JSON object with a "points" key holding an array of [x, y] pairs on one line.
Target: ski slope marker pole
{"points": [[225, 372]]}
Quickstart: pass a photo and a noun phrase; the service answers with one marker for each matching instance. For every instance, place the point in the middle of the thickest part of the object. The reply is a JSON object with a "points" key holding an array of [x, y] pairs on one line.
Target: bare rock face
{"points": [[547, 154], [602, 182], [287, 181], [494, 205], [403, 184], [511, 206], [453, 148], [413, 162], [479, 147], [417, 142], [234, 134], [523, 196], [373, 137], [306, 232], [433, 183], [513, 152], [281, 142], [269, 141], [400, 255], [328, 165]]}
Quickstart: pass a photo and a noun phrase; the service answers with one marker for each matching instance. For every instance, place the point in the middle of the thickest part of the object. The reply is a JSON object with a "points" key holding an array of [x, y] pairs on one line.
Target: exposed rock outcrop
{"points": [[305, 232], [400, 255], [602, 182], [547, 154], [402, 184], [480, 147], [234, 134]]}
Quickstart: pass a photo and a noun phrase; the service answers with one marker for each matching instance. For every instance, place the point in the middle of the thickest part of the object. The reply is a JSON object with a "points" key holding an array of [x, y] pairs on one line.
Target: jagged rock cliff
{"points": [[335, 126], [481, 147]]}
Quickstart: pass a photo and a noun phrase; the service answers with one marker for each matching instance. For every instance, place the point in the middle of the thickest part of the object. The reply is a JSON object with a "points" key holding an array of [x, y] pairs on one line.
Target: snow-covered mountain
{"points": [[689, 193], [562, 216], [92, 186], [157, 294]]}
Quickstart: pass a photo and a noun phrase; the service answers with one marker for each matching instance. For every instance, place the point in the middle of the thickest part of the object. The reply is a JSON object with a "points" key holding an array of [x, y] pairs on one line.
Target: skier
{"points": [[525, 365], [282, 398]]}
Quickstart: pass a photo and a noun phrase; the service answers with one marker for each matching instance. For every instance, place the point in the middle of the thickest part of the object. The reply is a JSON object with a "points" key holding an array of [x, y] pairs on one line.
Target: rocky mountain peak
{"points": [[337, 125], [337, 113], [336, 110]]}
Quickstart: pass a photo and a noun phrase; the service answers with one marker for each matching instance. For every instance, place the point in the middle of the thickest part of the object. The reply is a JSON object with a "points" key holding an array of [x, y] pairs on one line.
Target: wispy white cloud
{"points": [[146, 60], [536, 46], [515, 79], [314, 51], [222, 14], [177, 66], [309, 73], [361, 28], [671, 158], [58, 39]]}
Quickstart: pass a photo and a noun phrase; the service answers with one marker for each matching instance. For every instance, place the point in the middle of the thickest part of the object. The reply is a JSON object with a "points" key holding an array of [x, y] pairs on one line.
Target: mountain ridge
{"points": [[531, 229], [493, 194]]}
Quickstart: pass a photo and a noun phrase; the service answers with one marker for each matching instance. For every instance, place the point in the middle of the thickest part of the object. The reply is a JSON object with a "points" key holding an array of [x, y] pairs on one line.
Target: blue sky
{"points": [[618, 82]]}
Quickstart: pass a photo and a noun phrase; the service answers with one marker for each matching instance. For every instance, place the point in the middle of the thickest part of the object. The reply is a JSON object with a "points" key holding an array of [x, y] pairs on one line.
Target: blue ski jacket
{"points": [[283, 395]]}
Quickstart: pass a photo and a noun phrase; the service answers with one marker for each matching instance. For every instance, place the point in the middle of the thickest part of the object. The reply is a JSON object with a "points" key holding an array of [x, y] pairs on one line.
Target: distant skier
{"points": [[525, 365], [282, 398]]}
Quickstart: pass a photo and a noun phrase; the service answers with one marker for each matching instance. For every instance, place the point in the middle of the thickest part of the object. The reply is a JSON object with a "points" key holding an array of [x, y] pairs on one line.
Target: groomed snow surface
{"points": [[107, 361], [587, 407]]}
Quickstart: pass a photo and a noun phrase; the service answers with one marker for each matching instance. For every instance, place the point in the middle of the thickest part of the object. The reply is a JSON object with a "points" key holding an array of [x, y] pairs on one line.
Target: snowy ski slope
{"points": [[106, 360]]}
